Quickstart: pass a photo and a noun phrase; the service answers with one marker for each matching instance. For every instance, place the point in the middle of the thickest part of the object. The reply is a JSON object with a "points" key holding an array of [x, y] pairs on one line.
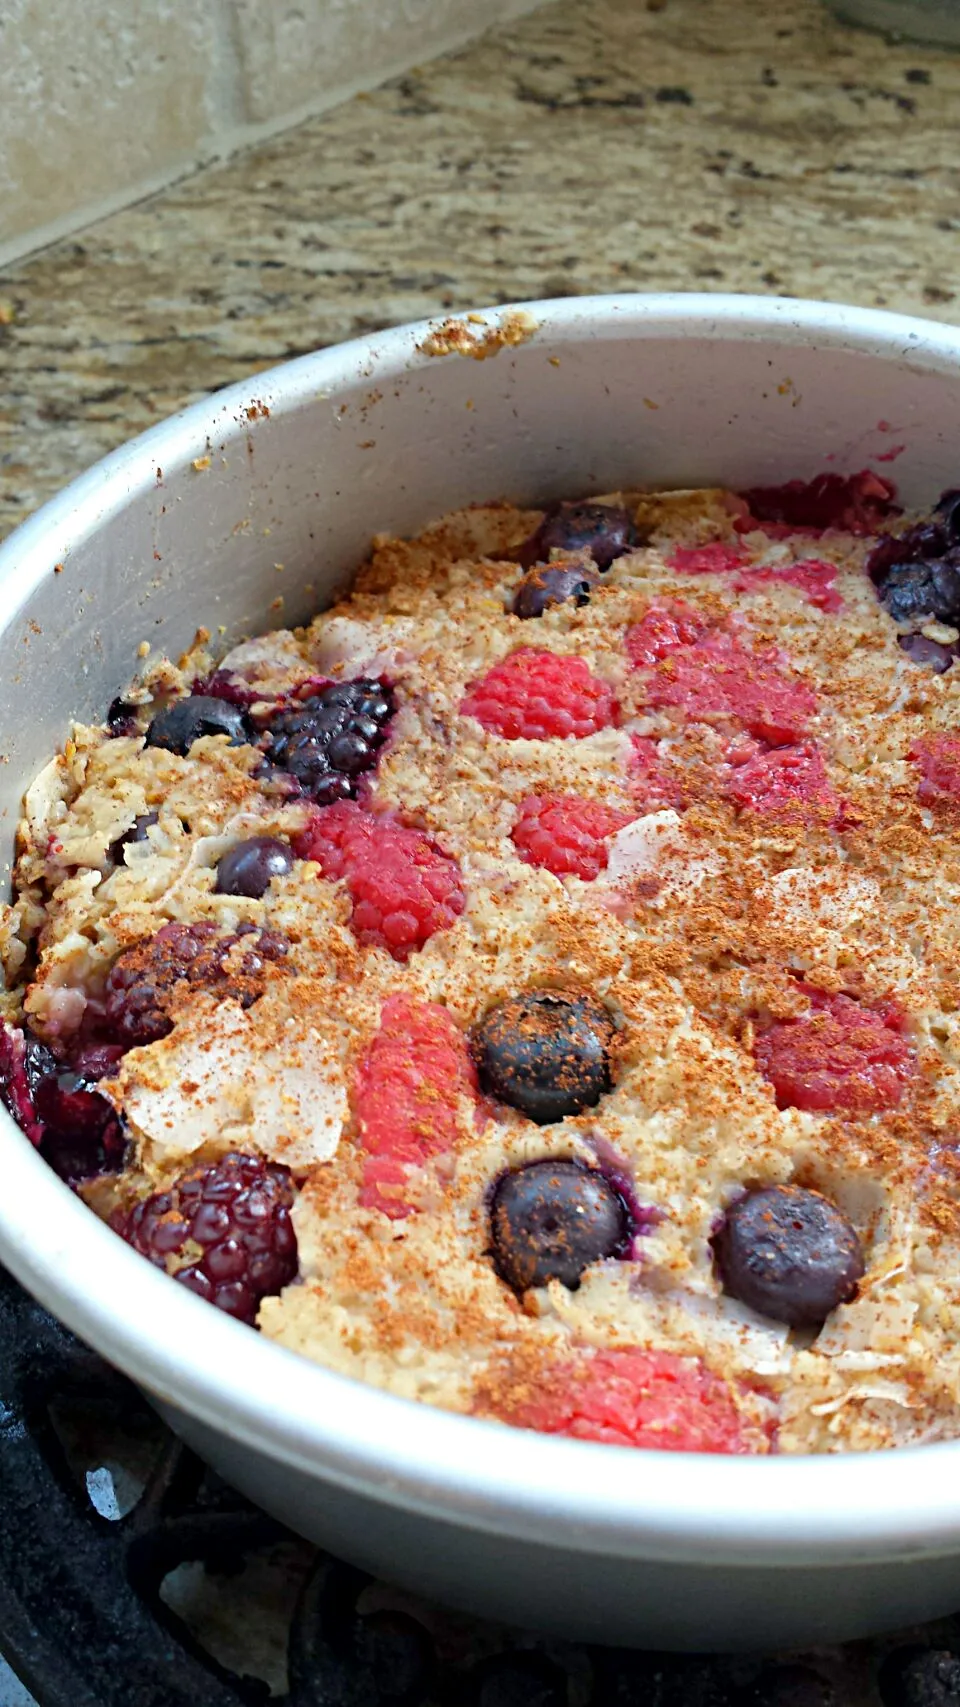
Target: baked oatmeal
{"points": [[532, 988]]}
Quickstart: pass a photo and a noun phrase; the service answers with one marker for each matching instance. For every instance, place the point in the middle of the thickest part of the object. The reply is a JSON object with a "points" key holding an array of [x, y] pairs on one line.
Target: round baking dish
{"points": [[190, 525]]}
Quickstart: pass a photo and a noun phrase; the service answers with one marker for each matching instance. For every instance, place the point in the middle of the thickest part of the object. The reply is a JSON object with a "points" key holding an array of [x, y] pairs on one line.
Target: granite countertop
{"points": [[596, 145]]}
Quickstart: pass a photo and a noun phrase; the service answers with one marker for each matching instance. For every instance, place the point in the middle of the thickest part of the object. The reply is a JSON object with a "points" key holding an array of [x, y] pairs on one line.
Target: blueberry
{"points": [[933, 653], [788, 1253], [546, 1053], [186, 720], [551, 1220], [247, 868], [136, 833], [605, 530], [552, 584], [920, 1677]]}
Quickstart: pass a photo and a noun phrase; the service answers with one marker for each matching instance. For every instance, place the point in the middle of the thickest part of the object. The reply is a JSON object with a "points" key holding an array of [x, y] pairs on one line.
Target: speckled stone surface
{"points": [[597, 145]]}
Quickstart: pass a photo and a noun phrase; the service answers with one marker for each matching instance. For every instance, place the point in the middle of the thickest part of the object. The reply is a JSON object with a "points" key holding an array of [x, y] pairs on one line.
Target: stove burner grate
{"points": [[93, 1541]]}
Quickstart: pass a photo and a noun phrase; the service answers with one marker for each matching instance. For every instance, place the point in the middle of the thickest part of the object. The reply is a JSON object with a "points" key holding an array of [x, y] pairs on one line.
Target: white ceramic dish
{"points": [[305, 463]]}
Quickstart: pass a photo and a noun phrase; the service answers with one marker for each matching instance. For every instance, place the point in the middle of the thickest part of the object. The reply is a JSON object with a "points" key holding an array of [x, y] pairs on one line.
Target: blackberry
{"points": [[58, 1105], [916, 591], [917, 573], [237, 1212], [331, 738], [143, 980]]}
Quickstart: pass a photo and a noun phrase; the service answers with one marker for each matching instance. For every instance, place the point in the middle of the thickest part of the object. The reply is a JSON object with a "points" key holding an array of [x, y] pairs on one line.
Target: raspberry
{"points": [[784, 783], [633, 1397], [857, 503], [651, 783], [814, 578], [566, 834], [332, 737], [540, 696], [664, 629], [840, 1055], [237, 1211], [718, 678], [406, 1096], [938, 757], [712, 559], [402, 887], [142, 984]]}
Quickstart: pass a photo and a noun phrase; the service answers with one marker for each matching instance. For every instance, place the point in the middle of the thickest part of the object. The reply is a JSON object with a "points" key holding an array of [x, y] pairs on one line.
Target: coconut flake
{"points": [[658, 846], [212, 1081]]}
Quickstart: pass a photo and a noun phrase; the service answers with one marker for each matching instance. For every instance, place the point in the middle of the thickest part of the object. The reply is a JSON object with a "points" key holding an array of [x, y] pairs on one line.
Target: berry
{"points": [[136, 833], [249, 867], [57, 1106], [713, 559], [814, 579], [933, 653], [664, 629], [223, 685], [857, 503], [566, 834], [916, 591], [652, 785], [187, 720], [938, 758], [540, 696], [237, 1211], [631, 1397], [552, 584], [926, 541], [605, 530], [920, 1677], [402, 887], [332, 737], [407, 1096], [143, 982], [24, 1063], [839, 1055], [546, 1053], [718, 678], [122, 718], [784, 783], [789, 1254], [552, 1220]]}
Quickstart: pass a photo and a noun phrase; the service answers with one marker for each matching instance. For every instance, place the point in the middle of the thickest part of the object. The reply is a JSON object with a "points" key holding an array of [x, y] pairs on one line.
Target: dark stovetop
{"points": [[131, 1576]]}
